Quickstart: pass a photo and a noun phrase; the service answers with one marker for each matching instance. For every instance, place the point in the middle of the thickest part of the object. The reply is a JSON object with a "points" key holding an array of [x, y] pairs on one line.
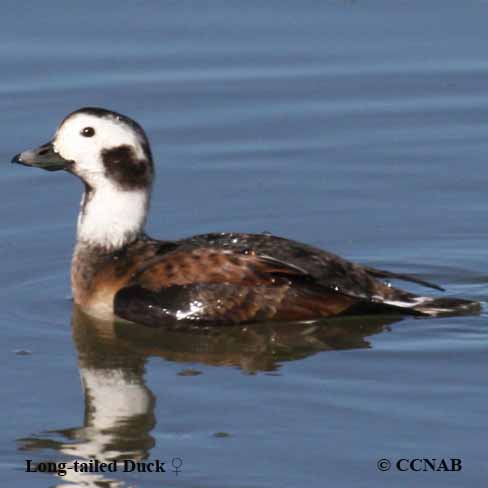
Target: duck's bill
{"points": [[44, 157]]}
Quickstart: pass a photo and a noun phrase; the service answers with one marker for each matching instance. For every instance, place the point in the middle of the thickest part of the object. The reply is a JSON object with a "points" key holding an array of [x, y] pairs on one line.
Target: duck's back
{"points": [[233, 278]]}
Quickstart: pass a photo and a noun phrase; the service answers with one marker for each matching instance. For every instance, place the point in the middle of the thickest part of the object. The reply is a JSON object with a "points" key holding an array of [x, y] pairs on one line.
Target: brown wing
{"points": [[328, 269], [217, 266], [227, 285], [225, 304], [222, 286]]}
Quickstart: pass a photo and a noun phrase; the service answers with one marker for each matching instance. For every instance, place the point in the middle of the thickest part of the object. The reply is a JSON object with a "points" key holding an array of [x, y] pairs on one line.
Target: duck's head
{"points": [[111, 154], [99, 146]]}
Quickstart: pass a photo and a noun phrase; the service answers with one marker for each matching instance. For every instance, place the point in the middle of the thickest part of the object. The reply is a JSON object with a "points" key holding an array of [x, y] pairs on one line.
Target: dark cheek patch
{"points": [[123, 167]]}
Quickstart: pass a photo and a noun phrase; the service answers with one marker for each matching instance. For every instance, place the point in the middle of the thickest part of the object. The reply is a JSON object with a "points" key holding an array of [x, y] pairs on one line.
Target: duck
{"points": [[120, 272]]}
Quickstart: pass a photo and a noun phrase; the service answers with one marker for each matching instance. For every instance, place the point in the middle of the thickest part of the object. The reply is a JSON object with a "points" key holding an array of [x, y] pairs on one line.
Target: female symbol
{"points": [[177, 463]]}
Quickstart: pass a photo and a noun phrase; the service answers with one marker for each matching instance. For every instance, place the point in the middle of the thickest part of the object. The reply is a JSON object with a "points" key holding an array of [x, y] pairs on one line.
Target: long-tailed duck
{"points": [[222, 278]]}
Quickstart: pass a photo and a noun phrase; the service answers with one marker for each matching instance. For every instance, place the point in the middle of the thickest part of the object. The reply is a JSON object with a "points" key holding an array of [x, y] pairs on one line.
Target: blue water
{"points": [[361, 127]]}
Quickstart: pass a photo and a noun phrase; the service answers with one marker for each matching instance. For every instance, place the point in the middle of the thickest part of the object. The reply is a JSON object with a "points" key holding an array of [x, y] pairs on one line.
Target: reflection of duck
{"points": [[119, 407], [117, 400], [214, 278], [260, 347]]}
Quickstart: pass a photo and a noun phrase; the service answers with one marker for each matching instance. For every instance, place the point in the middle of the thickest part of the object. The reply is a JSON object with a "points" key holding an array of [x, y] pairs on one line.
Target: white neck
{"points": [[110, 217]]}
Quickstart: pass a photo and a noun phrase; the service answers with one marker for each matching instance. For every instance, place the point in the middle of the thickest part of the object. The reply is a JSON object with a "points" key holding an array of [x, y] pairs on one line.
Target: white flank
{"points": [[421, 304], [194, 309], [410, 304]]}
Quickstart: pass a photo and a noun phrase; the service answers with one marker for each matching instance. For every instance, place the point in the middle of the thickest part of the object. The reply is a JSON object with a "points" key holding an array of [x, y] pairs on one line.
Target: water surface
{"points": [[358, 126]]}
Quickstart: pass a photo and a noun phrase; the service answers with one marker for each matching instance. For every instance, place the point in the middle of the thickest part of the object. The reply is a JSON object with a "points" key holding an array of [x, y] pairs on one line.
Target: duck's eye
{"points": [[88, 132]]}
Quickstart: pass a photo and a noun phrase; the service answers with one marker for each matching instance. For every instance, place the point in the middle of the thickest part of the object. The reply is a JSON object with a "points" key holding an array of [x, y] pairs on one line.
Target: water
{"points": [[357, 126]]}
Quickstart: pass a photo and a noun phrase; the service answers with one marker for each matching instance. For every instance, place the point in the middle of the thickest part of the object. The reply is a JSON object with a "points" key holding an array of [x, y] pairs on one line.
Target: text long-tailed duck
{"points": [[224, 278]]}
